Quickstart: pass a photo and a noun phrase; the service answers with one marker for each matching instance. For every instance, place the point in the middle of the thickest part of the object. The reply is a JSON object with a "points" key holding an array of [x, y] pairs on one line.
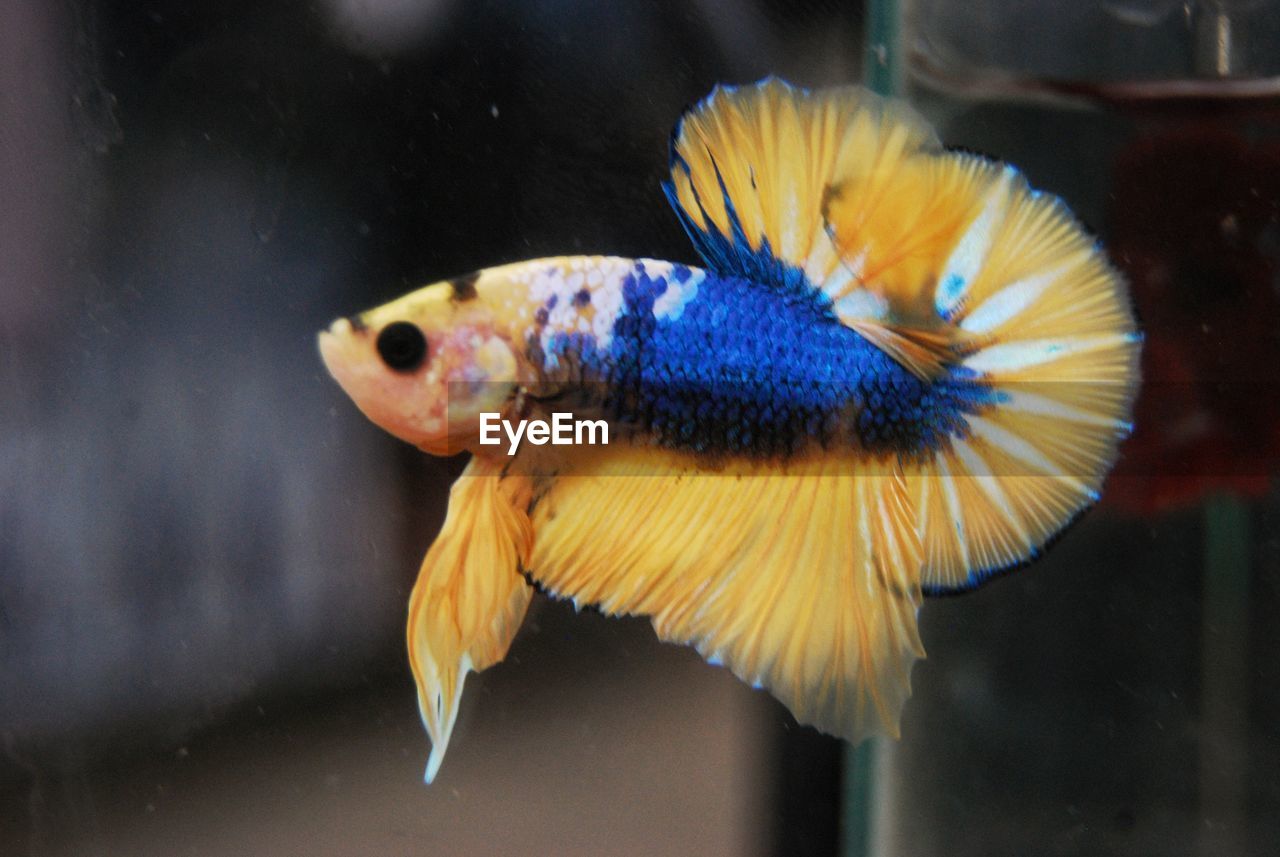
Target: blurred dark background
{"points": [[205, 551]]}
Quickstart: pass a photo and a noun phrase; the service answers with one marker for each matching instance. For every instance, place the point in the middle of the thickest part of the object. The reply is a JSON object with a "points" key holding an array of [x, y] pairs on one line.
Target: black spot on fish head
{"points": [[464, 287], [582, 298]]}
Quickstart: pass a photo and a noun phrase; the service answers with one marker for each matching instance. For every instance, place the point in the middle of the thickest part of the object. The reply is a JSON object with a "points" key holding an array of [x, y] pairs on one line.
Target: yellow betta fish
{"points": [[901, 370]]}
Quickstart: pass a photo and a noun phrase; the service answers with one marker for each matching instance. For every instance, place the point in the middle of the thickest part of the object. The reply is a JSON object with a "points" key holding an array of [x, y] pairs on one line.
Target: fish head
{"points": [[426, 366]]}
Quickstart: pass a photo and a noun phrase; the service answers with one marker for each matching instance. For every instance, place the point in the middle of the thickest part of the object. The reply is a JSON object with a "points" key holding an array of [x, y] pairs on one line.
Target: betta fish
{"points": [[898, 370]]}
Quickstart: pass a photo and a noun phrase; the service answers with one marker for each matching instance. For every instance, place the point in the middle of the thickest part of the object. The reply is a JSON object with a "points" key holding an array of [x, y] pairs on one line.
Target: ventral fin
{"points": [[470, 596], [801, 578]]}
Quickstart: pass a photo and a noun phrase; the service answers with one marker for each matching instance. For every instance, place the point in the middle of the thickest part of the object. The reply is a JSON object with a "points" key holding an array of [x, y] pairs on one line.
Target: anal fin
{"points": [[803, 578]]}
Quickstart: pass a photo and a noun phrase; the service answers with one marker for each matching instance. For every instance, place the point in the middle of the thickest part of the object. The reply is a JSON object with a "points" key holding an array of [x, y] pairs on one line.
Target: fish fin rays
{"points": [[924, 353], [752, 166], [847, 196], [913, 232], [1050, 333], [470, 596], [802, 578]]}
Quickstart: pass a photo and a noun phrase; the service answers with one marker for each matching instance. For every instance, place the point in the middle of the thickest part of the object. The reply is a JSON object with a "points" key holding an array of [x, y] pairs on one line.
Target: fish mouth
{"points": [[333, 342], [340, 327]]}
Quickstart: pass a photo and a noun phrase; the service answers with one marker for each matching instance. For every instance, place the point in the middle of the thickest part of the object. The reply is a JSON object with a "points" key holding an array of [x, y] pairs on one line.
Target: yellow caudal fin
{"points": [[802, 578], [950, 264], [471, 594], [1048, 329]]}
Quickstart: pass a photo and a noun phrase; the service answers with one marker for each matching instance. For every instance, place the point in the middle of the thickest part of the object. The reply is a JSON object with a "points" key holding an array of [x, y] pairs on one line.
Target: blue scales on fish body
{"points": [[746, 368]]}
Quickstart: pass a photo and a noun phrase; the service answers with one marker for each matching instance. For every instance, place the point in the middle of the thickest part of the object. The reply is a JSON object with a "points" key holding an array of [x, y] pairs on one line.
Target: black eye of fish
{"points": [[402, 346]]}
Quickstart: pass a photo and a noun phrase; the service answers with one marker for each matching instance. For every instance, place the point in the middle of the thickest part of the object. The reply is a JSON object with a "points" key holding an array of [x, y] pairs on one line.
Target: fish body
{"points": [[688, 359], [900, 370]]}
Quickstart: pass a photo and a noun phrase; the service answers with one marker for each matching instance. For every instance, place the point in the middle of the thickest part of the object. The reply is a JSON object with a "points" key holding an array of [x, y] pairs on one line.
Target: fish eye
{"points": [[402, 346]]}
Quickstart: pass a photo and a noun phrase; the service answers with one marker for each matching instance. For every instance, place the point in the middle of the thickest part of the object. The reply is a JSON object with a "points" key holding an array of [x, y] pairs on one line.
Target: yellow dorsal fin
{"points": [[909, 233], [753, 167], [841, 192], [801, 578], [470, 596]]}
